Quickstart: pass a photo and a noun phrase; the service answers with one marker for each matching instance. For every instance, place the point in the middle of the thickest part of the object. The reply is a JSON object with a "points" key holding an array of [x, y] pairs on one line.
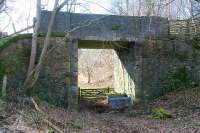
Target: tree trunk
{"points": [[47, 40], [89, 75], [33, 76], [34, 39], [139, 8], [127, 6], [3, 91]]}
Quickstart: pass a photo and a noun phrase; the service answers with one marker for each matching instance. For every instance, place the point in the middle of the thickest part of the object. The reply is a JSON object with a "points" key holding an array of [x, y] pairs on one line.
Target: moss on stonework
{"points": [[5, 42], [195, 41], [179, 77], [50, 89], [195, 55], [117, 28], [15, 65], [182, 56], [2, 71]]}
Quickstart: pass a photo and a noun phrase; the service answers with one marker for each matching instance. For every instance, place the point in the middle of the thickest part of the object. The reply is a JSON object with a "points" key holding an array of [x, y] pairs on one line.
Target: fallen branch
{"points": [[36, 106], [45, 120]]}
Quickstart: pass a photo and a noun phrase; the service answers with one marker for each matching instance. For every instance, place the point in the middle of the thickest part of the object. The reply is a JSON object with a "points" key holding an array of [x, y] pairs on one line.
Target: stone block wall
{"points": [[55, 78], [151, 68], [143, 70], [128, 71]]}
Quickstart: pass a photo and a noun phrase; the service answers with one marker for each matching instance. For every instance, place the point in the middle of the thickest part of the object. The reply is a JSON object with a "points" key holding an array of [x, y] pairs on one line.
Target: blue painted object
{"points": [[119, 102]]}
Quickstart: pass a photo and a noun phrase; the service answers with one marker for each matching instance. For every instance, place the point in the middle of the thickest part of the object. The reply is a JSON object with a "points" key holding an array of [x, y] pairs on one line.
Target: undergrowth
{"points": [[181, 77], [160, 113]]}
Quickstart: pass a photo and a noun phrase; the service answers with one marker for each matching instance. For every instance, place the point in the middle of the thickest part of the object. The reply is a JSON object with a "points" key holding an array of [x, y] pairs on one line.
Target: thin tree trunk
{"points": [[34, 39], [139, 8], [34, 74], [127, 6], [89, 78], [14, 29], [47, 40], [3, 91], [89, 75]]}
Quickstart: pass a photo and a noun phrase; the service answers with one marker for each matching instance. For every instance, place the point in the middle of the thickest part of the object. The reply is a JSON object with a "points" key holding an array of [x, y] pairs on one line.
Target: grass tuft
{"points": [[160, 113]]}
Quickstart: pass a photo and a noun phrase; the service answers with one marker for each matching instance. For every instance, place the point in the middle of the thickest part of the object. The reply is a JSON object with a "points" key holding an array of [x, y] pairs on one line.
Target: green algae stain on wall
{"points": [[51, 85], [151, 69], [127, 74], [14, 62]]}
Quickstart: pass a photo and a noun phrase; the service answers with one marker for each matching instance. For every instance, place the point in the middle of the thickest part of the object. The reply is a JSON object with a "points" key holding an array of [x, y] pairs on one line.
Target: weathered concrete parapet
{"points": [[105, 27]]}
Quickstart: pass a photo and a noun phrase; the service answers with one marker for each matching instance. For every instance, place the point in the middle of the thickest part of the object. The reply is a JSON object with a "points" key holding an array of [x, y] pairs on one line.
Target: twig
{"points": [[25, 29], [36, 106], [45, 120]]}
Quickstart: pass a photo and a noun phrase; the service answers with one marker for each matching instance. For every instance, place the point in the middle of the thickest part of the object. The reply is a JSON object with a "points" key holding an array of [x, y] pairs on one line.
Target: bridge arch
{"points": [[127, 35]]}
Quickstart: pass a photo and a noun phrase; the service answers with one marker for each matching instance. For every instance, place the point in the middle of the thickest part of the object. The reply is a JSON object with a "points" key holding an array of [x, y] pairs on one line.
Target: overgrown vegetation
{"points": [[183, 75], [2, 69], [160, 113], [6, 41], [47, 83], [195, 41], [14, 66], [180, 77], [117, 28]]}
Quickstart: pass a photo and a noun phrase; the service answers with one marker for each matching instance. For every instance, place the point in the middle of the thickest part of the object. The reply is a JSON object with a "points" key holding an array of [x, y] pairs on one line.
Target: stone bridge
{"points": [[148, 60], [138, 63], [127, 35]]}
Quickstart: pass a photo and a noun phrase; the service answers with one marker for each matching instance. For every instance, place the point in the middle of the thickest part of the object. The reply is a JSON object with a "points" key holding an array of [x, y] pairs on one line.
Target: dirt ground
{"points": [[183, 105]]}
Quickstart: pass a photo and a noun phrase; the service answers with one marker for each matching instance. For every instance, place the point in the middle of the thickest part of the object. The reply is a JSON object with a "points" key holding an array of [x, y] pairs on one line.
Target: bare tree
{"points": [[87, 63], [92, 61], [3, 5], [173, 9]]}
